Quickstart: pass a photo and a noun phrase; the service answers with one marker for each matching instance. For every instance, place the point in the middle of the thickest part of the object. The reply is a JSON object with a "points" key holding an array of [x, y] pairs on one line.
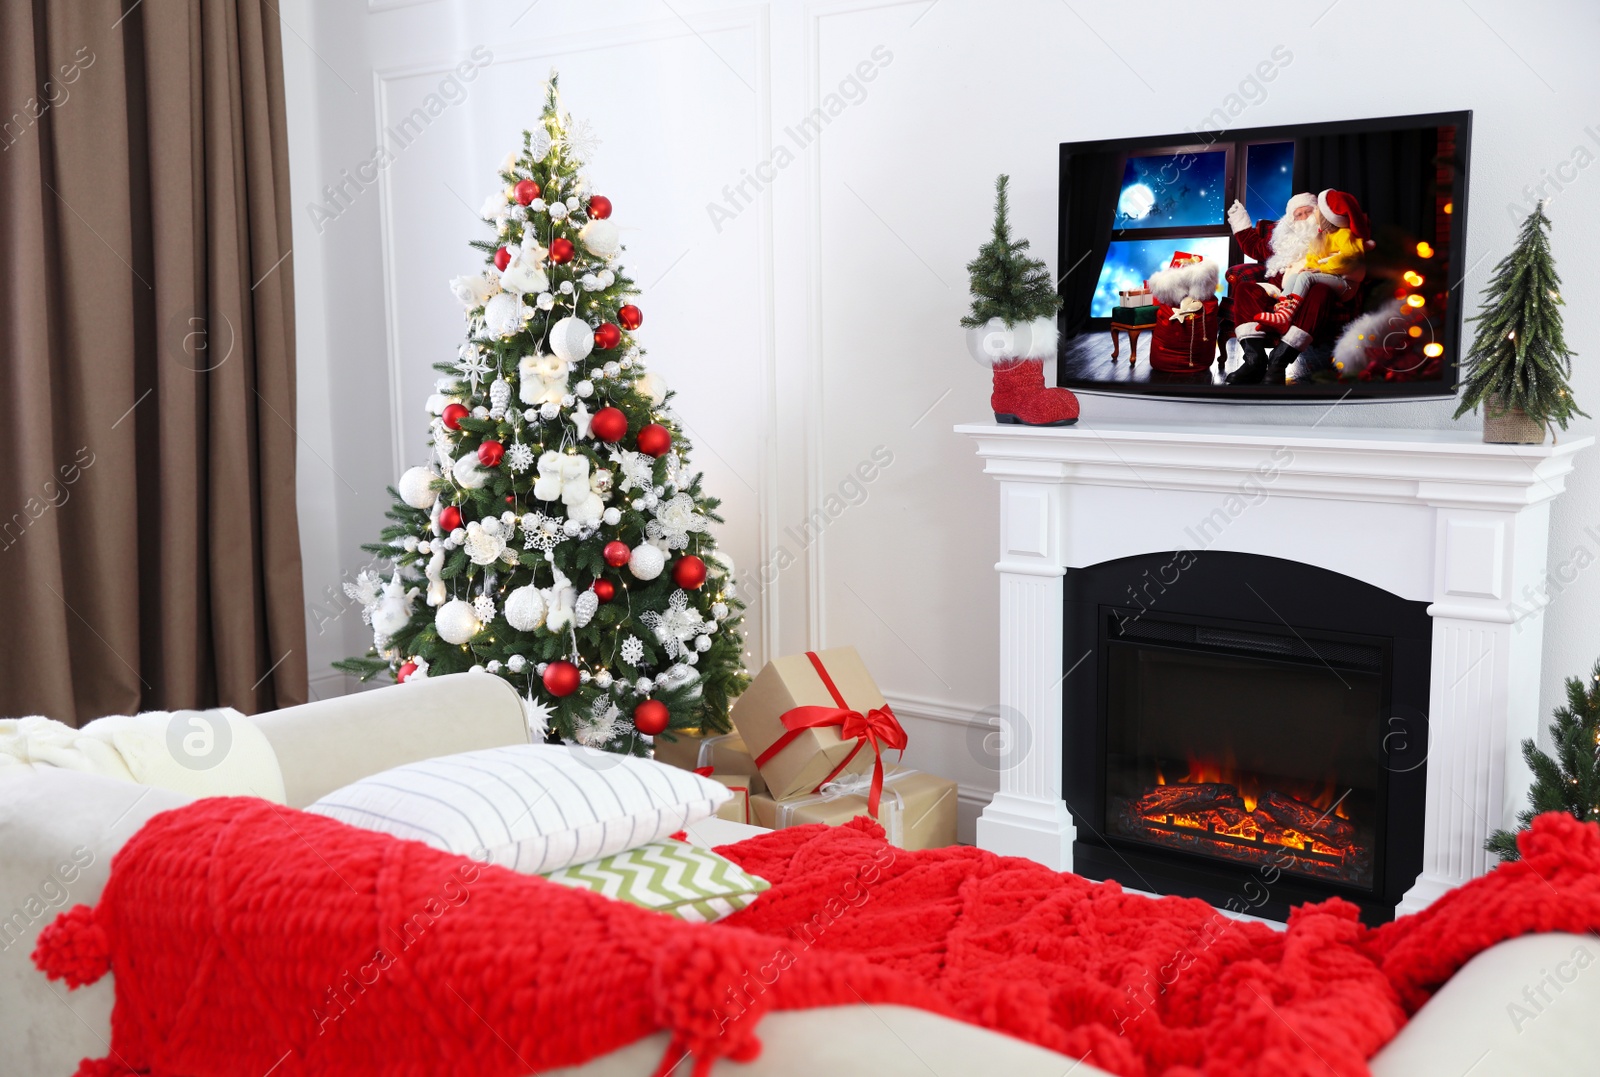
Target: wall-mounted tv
{"points": [[1315, 262]]}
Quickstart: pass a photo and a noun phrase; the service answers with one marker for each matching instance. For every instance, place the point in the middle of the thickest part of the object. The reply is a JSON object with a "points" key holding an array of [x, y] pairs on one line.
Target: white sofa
{"points": [[48, 818]]}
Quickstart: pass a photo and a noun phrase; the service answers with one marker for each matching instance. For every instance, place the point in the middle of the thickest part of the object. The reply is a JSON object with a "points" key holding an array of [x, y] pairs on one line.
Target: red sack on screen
{"points": [[1186, 344]]}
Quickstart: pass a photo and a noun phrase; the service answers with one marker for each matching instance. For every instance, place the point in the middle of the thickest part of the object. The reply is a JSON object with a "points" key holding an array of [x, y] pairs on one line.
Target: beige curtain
{"points": [[149, 552]]}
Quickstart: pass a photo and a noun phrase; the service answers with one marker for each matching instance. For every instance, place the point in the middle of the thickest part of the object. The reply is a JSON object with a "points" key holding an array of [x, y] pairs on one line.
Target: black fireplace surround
{"points": [[1244, 729]]}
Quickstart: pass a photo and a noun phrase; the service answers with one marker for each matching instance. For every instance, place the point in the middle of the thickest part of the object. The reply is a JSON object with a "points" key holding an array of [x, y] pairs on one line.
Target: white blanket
{"points": [[201, 753]]}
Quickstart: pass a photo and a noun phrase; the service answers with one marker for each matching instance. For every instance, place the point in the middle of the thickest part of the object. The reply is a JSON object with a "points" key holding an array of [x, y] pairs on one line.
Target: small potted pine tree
{"points": [[1519, 363], [1012, 326]]}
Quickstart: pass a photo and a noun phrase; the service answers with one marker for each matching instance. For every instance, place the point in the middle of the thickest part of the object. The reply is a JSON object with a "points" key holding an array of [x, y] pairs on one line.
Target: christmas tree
{"points": [[1571, 781], [1006, 283], [557, 537], [1519, 357]]}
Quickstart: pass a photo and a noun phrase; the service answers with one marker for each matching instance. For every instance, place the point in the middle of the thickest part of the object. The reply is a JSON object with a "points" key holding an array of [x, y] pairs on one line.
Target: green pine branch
{"points": [[1005, 282], [1519, 356], [1569, 781]]}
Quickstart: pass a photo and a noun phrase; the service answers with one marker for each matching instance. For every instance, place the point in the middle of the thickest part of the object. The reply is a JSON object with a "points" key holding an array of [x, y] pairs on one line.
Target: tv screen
{"points": [[1322, 261]]}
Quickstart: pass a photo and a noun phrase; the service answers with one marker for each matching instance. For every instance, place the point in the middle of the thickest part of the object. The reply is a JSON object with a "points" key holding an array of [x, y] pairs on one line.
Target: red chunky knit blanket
{"points": [[249, 939]]}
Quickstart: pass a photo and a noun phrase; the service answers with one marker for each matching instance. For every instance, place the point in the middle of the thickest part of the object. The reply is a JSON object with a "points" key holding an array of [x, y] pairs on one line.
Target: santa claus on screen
{"points": [[1307, 275]]}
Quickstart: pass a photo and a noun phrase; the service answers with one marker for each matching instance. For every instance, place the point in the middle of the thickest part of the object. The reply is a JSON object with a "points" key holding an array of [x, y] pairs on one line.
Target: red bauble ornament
{"points": [[560, 250], [605, 590], [689, 572], [405, 671], [616, 554], [654, 440], [526, 191], [651, 717], [490, 453], [449, 519], [631, 317], [608, 424], [599, 207], [607, 336], [453, 414], [502, 258], [561, 678]]}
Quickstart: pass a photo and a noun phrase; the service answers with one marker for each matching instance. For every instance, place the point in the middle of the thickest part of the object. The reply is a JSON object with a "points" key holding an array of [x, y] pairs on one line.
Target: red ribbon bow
{"points": [[878, 728]]}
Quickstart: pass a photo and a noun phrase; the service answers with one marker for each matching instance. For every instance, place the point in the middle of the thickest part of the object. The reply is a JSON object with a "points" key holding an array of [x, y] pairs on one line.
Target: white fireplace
{"points": [[1431, 516]]}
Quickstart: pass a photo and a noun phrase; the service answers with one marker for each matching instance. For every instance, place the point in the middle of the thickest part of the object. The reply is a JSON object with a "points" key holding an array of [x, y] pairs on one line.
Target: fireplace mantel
{"points": [[1435, 516]]}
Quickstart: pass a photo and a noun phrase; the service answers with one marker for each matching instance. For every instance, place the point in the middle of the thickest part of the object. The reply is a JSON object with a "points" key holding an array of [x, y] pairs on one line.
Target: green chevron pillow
{"points": [[673, 877]]}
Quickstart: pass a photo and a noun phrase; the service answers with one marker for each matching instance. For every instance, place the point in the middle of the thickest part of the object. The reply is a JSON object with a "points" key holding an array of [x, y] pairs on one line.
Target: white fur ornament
{"points": [[601, 237], [995, 342], [646, 561], [415, 489], [572, 339], [525, 609], [469, 473], [456, 621]]}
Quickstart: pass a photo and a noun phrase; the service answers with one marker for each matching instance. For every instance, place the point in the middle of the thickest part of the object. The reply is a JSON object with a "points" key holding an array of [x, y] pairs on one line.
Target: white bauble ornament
{"points": [[584, 389], [654, 386], [601, 237], [702, 643], [644, 686], [607, 278], [469, 473], [414, 488], [646, 562], [719, 610], [504, 314], [456, 622], [479, 669], [556, 209], [572, 339], [524, 610], [602, 679], [612, 516], [516, 661]]}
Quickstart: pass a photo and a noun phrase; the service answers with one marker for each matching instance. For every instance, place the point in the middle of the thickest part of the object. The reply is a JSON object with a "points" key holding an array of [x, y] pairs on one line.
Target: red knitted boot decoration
{"points": [[1021, 396]]}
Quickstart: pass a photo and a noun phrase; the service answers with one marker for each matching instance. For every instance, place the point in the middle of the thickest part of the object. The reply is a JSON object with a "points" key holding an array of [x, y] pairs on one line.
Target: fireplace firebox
{"points": [[1245, 729]]}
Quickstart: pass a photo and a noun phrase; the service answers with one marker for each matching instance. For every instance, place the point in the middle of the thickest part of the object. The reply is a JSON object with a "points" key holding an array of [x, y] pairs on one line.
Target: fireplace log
{"points": [[1288, 811], [1183, 799]]}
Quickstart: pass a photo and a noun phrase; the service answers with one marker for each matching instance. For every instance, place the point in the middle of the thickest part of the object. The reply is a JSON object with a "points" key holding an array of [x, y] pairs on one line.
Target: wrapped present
{"points": [[1145, 315], [736, 810], [812, 718], [1135, 297], [720, 754], [916, 810]]}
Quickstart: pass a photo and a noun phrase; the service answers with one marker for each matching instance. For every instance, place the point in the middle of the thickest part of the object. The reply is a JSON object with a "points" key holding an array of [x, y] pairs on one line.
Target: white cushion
{"points": [[529, 807]]}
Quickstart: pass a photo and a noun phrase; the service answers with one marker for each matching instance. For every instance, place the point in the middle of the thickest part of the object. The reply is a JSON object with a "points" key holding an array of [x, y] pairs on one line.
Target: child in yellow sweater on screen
{"points": [[1337, 257]]}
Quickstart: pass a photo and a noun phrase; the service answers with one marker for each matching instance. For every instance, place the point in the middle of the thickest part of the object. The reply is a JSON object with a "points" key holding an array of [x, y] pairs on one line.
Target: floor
{"points": [[1087, 359]]}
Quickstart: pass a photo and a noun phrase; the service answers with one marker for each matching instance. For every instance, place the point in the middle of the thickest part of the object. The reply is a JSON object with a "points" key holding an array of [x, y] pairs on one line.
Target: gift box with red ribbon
{"points": [[917, 810], [812, 718]]}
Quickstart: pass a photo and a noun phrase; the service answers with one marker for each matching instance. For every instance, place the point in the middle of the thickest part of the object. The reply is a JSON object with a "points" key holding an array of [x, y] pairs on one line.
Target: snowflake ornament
{"points": [[519, 457], [578, 142], [677, 626], [541, 532], [472, 364], [633, 649], [483, 608]]}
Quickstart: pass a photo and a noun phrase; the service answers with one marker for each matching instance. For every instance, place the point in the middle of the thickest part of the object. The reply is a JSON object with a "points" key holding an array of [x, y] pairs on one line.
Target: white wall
{"points": [[820, 323]]}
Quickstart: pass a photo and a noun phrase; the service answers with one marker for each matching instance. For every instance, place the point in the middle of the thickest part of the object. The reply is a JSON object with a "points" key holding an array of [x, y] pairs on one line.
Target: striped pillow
{"points": [[528, 807], [673, 877]]}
